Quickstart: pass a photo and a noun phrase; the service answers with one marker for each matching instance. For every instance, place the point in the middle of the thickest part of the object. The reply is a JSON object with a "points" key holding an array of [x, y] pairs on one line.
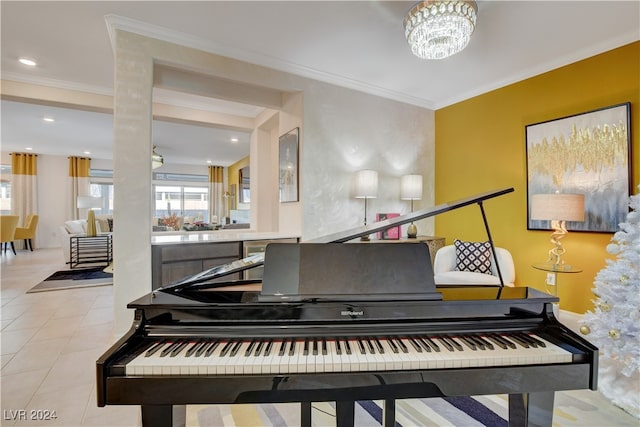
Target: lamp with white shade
{"points": [[366, 188], [411, 189], [90, 202], [557, 208]]}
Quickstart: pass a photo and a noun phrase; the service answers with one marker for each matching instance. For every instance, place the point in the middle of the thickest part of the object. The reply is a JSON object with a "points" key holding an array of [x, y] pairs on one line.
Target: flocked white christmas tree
{"points": [[614, 323]]}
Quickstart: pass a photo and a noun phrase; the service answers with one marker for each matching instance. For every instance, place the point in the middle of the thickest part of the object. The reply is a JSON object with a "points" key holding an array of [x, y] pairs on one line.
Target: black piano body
{"points": [[201, 313]]}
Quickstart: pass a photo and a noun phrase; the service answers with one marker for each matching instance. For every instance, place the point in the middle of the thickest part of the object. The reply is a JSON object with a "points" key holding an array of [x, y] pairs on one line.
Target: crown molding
{"points": [[116, 22], [58, 84]]}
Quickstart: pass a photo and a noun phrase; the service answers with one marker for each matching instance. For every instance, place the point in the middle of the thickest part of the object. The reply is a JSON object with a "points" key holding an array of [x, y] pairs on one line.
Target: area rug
{"points": [[70, 279], [453, 411]]}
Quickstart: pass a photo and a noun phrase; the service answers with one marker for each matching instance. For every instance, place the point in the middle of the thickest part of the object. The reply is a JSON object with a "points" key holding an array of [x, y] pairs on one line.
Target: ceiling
{"points": [[356, 44]]}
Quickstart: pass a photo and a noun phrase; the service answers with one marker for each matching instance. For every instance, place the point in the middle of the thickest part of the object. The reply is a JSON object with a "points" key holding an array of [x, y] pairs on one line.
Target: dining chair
{"points": [[8, 224], [28, 232]]}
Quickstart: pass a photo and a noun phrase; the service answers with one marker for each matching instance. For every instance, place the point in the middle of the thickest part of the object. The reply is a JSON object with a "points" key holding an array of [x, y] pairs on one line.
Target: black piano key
{"points": [[252, 344], [505, 341], [401, 345], [445, 343], [496, 341], [379, 345], [535, 340], [283, 348], [259, 348], [393, 345], [479, 343], [315, 347], [432, 343], [338, 347], [169, 348], [236, 348], [519, 340], [292, 348], [211, 348], [226, 348], [361, 346], [267, 348], [423, 344], [194, 347], [154, 348], [179, 348], [485, 342], [454, 343], [415, 345], [468, 342], [372, 350], [324, 347], [202, 348], [306, 348], [347, 346]]}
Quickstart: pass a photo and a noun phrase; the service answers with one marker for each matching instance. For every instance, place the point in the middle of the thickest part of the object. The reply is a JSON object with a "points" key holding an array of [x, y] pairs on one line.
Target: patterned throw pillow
{"points": [[473, 256]]}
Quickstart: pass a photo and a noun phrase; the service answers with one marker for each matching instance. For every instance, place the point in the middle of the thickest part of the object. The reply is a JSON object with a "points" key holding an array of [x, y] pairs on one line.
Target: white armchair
{"points": [[445, 273]]}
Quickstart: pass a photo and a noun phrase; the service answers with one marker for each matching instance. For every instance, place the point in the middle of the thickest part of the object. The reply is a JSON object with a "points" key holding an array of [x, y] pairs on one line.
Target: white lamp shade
{"points": [[88, 202], [557, 207], [367, 184], [411, 187]]}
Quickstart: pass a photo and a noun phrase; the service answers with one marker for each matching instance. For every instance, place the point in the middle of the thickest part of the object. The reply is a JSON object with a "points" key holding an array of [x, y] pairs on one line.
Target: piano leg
{"points": [[305, 414], [389, 413], [157, 415], [344, 413], [531, 409]]}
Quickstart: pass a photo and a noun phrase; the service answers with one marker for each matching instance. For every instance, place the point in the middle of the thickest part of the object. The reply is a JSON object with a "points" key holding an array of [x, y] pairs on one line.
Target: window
{"points": [[5, 189], [101, 185], [182, 195]]}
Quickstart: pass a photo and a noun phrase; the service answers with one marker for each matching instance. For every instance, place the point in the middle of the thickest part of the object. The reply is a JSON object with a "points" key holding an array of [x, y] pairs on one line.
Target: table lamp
{"points": [[411, 189], [366, 188], [557, 208], [90, 202]]}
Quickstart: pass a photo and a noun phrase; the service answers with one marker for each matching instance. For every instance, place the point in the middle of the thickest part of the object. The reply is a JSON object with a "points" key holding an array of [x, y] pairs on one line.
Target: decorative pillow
{"points": [[76, 226], [473, 256]]}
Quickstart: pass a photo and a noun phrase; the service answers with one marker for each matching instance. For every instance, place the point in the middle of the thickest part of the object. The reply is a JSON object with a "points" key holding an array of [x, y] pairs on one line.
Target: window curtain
{"points": [[79, 184], [24, 186], [216, 194]]}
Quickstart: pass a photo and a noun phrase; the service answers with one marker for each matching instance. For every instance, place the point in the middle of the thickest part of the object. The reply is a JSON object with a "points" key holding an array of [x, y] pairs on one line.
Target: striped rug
{"points": [[455, 411]]}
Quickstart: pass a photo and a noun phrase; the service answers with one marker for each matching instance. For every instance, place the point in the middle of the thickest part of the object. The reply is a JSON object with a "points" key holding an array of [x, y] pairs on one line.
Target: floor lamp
{"points": [[557, 208], [411, 189], [366, 188]]}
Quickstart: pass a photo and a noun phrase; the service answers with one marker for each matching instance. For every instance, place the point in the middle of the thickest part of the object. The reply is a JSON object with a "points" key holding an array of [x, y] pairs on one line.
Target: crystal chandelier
{"points": [[436, 29]]}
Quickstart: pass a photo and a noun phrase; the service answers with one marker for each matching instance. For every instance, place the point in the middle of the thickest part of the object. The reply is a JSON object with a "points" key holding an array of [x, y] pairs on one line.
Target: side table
{"points": [[91, 250], [551, 270]]}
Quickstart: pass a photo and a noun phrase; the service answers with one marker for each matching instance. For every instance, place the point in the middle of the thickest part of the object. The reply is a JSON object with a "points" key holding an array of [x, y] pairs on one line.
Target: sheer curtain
{"points": [[78, 184], [216, 193], [24, 186]]}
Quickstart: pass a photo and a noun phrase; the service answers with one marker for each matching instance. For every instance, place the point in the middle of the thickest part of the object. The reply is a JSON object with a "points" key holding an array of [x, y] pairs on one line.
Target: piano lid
{"points": [[203, 279]]}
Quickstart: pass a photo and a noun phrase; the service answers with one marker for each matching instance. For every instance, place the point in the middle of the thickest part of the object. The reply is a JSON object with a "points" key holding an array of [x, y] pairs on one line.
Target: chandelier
{"points": [[436, 29], [156, 159]]}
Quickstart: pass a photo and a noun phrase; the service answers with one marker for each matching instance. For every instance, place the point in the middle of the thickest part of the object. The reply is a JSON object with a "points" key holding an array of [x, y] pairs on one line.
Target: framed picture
{"points": [[391, 233], [587, 153], [288, 166]]}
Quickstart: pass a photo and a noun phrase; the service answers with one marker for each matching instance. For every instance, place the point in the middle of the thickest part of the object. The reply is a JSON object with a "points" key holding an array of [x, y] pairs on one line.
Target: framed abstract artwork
{"points": [[288, 166], [587, 153], [392, 233]]}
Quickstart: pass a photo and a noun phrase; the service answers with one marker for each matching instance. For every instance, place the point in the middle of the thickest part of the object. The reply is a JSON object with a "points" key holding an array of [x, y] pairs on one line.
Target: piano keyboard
{"points": [[314, 355]]}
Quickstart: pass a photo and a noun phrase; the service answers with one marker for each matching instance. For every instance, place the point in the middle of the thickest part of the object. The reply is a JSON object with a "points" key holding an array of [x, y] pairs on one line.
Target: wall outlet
{"points": [[551, 279]]}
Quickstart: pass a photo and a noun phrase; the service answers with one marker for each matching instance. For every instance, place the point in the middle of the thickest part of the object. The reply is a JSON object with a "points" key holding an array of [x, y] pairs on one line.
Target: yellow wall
{"points": [[480, 146]]}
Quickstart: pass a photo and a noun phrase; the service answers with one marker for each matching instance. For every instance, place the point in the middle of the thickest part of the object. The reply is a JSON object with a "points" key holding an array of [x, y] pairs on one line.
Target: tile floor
{"points": [[50, 341]]}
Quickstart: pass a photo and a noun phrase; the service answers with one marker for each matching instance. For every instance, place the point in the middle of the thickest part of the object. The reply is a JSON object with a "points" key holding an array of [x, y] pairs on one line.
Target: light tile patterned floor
{"points": [[51, 340]]}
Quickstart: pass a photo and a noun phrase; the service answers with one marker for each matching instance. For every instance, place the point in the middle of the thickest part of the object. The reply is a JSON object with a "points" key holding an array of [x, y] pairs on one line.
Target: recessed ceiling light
{"points": [[234, 140], [49, 119], [28, 148], [86, 153], [26, 61], [209, 161]]}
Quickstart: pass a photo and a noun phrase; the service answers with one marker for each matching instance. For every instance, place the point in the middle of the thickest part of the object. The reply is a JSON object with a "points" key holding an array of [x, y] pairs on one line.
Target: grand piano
{"points": [[344, 322]]}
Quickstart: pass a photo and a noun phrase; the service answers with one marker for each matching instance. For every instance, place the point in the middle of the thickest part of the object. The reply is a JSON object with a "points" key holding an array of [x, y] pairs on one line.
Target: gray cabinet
{"points": [[171, 262]]}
